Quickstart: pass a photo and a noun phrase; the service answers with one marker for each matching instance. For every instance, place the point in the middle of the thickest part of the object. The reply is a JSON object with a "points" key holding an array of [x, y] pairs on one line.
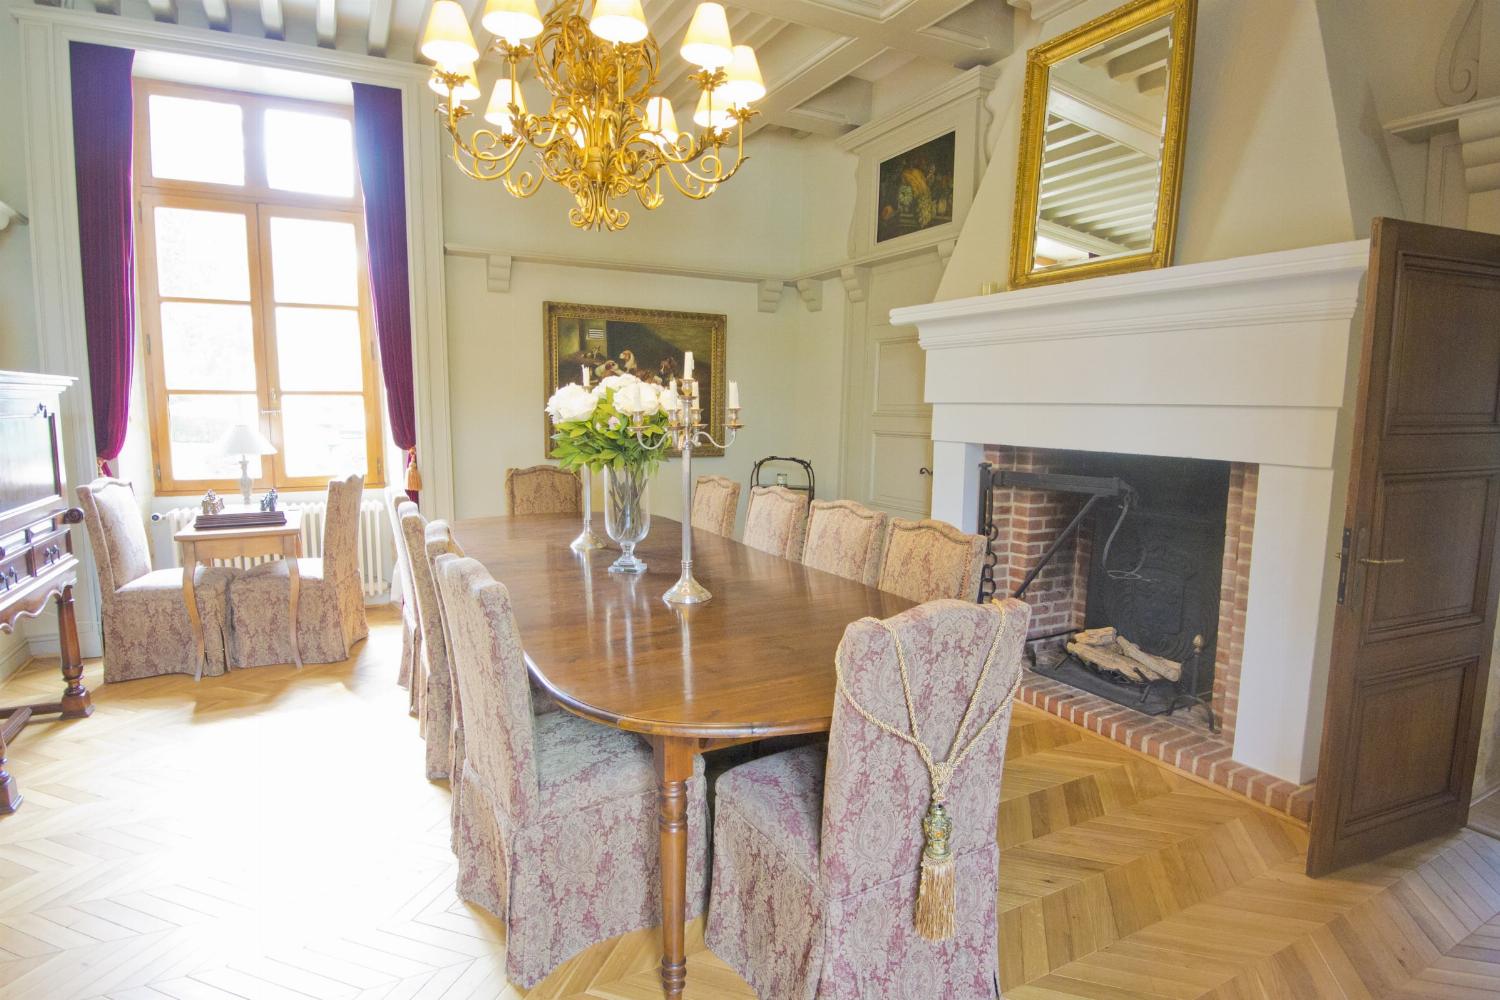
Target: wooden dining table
{"points": [[754, 662]]}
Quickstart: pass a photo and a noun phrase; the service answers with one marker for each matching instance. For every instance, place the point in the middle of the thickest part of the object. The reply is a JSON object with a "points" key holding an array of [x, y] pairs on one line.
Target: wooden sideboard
{"points": [[37, 565]]}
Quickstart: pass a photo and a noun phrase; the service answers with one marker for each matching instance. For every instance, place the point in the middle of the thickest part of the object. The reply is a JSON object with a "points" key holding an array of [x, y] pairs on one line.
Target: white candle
{"points": [[734, 395], [585, 376], [687, 365], [695, 392]]}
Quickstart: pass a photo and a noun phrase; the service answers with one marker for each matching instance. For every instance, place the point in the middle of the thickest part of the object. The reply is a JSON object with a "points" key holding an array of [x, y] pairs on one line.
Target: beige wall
{"points": [[18, 345], [1284, 145], [787, 205], [786, 362]]}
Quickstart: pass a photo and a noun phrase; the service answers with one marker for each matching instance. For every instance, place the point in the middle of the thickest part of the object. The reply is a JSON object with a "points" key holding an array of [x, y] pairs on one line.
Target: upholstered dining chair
{"points": [[543, 489], [557, 831], [776, 520], [845, 538], [411, 638], [331, 606], [926, 560], [715, 500], [817, 855], [431, 683], [146, 626]]}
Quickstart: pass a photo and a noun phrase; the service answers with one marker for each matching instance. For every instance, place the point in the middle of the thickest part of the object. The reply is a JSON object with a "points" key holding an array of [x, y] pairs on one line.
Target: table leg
{"points": [[674, 766], [190, 598], [10, 795], [76, 702], [290, 549]]}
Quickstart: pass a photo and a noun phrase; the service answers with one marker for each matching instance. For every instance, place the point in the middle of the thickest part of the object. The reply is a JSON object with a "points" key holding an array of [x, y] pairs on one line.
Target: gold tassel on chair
{"points": [[935, 903]]}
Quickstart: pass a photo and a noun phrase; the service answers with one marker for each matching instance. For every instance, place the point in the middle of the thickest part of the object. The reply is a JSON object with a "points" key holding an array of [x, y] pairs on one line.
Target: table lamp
{"points": [[244, 441]]}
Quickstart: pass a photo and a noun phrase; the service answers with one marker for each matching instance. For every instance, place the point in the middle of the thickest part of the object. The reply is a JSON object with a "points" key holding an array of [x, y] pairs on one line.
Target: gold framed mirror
{"points": [[1104, 119]]}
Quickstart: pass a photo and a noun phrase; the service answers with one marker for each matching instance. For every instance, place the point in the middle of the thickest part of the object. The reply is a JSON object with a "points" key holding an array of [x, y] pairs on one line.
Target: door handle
{"points": [[924, 471], [1382, 562]]}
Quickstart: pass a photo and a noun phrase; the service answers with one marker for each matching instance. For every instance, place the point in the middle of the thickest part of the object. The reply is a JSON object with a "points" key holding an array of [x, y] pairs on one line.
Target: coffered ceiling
{"points": [[820, 58]]}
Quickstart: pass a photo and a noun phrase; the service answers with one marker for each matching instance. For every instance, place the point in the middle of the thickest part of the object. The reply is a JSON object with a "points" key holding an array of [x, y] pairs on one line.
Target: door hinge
{"points": [[158, 472], [148, 345], [1344, 567], [380, 469]]}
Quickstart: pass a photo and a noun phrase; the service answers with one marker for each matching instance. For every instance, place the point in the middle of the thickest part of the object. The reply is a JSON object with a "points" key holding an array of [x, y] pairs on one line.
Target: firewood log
{"points": [[1169, 669]]}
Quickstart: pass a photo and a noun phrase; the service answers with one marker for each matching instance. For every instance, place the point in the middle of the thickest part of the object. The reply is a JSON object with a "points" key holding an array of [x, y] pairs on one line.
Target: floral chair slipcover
{"points": [[776, 520], [331, 605], [411, 638], [928, 560], [845, 538], [146, 626], [543, 489], [715, 500], [817, 861], [557, 830], [431, 682]]}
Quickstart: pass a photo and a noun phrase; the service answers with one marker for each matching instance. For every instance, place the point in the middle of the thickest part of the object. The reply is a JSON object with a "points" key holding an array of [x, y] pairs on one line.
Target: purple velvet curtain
{"points": [[382, 174], [103, 123]]}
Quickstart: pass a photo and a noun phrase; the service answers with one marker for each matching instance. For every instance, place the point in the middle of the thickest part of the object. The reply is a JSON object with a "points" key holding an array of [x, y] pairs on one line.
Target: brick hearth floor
{"points": [[1187, 746]]}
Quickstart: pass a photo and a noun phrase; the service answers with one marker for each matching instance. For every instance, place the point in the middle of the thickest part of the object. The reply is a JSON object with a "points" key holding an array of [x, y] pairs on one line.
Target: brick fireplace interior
{"points": [[1178, 568]]}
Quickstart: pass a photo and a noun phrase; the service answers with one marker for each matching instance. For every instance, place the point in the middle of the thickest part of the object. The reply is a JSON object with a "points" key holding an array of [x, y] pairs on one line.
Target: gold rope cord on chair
{"points": [[935, 894]]}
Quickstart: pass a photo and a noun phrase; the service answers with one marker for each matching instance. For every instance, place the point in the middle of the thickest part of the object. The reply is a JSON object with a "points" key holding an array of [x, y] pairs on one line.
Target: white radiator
{"points": [[377, 553]]}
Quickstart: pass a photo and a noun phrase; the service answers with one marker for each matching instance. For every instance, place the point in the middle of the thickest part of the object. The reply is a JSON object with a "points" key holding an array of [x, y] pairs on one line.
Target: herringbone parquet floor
{"points": [[268, 836]]}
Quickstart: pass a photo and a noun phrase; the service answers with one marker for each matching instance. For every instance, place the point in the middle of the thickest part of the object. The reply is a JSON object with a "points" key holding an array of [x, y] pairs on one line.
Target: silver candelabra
{"points": [[685, 429], [587, 540]]}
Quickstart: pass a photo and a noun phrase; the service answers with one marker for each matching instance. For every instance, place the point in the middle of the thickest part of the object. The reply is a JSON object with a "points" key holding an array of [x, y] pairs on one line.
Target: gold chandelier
{"points": [[605, 134]]}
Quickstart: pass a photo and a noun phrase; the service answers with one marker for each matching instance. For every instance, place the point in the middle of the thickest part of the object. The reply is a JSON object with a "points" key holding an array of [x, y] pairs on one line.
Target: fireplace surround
{"points": [[1245, 362]]}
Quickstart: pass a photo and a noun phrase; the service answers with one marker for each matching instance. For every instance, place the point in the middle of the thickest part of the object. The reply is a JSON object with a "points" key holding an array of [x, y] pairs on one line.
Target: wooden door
{"points": [[1416, 612], [888, 444]]}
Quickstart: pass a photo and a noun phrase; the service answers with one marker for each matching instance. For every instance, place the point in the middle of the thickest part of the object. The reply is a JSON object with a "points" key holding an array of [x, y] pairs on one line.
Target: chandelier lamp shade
{"points": [[607, 132]]}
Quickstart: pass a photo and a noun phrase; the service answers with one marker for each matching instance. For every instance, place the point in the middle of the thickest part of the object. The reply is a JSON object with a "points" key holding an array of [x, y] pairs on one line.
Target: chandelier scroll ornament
{"points": [[607, 133]]}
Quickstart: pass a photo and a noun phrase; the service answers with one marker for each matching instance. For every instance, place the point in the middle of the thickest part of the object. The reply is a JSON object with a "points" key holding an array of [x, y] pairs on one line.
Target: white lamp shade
{"points": [[502, 97], [620, 21], [707, 41], [466, 91], [661, 120], [242, 439], [720, 117], [513, 20], [448, 41], [744, 84]]}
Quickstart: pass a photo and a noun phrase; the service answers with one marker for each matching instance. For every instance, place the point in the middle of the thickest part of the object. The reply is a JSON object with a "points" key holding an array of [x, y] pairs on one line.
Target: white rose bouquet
{"points": [[592, 428]]}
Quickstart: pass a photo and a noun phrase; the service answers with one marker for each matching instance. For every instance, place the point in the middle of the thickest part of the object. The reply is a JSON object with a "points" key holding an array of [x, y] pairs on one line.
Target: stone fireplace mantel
{"points": [[1243, 360]]}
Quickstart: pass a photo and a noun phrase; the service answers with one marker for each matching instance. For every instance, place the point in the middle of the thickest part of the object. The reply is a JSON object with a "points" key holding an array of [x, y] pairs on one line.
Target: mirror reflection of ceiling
{"points": [[1101, 155]]}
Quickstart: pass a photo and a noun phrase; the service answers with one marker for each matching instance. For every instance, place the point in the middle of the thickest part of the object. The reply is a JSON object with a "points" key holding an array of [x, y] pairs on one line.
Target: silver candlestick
{"points": [[685, 428], [587, 540]]}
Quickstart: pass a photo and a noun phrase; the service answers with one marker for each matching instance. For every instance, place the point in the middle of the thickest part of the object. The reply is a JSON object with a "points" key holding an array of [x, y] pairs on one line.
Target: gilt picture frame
{"points": [[649, 343]]}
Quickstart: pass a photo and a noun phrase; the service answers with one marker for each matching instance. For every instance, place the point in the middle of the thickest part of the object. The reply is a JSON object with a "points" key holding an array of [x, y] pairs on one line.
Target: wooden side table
{"points": [[204, 546]]}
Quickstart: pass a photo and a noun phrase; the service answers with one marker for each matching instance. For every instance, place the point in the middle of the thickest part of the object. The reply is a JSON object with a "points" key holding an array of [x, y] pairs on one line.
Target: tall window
{"points": [[254, 297]]}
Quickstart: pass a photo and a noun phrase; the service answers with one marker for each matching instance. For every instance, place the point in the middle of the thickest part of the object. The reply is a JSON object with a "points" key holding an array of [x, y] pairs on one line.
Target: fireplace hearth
{"points": [[1136, 546]]}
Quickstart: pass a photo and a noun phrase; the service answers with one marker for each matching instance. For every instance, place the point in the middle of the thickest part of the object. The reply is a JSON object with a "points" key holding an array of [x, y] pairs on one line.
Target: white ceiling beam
{"points": [[814, 77], [326, 23], [273, 19], [217, 12], [1153, 82], [905, 30], [1139, 60], [164, 10], [382, 12]]}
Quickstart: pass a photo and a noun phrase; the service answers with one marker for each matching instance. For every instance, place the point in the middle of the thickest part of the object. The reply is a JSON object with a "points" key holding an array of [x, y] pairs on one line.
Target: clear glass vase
{"points": [[627, 514]]}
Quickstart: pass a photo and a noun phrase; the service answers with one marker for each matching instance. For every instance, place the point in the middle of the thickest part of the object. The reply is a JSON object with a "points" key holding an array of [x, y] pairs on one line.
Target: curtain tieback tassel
{"points": [[413, 474]]}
